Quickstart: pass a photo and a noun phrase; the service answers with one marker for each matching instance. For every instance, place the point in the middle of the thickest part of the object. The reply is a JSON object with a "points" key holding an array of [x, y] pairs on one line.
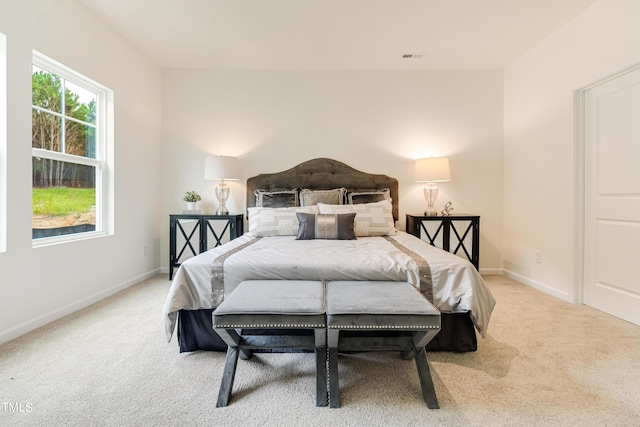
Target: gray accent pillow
{"points": [[277, 198], [366, 196], [331, 197], [372, 219], [327, 226]]}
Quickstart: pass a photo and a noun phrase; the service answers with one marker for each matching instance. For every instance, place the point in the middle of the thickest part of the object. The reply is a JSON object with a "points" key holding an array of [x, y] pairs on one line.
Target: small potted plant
{"points": [[191, 197]]}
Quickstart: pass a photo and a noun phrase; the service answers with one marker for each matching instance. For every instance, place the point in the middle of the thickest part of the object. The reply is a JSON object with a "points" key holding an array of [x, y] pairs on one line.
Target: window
{"points": [[3, 143], [72, 152]]}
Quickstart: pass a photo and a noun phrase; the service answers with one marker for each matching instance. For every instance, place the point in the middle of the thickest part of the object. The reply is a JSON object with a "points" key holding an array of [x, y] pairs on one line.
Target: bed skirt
{"points": [[195, 332]]}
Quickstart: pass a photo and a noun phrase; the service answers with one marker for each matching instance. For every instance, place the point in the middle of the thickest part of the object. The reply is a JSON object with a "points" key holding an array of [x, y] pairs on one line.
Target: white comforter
{"points": [[457, 286]]}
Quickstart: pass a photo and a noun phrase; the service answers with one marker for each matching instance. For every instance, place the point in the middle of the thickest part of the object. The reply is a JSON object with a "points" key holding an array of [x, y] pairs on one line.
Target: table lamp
{"points": [[432, 170], [221, 168]]}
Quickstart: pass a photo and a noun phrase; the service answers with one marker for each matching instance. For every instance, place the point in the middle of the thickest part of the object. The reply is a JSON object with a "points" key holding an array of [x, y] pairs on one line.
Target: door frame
{"points": [[579, 167]]}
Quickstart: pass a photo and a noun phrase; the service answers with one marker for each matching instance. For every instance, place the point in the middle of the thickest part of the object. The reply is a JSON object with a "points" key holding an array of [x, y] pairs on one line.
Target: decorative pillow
{"points": [[372, 219], [366, 196], [330, 197], [325, 226], [276, 198], [275, 221]]}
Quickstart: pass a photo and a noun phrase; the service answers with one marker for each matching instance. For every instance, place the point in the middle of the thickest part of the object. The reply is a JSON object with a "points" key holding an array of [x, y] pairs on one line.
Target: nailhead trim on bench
{"points": [[280, 325], [273, 325]]}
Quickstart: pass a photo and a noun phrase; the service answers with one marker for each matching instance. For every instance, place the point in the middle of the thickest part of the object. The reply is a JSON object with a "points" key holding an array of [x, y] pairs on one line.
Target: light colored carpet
{"points": [[545, 362]]}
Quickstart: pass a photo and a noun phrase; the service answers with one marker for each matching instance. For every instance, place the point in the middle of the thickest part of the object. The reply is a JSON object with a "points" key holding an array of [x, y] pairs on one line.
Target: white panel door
{"points": [[612, 197]]}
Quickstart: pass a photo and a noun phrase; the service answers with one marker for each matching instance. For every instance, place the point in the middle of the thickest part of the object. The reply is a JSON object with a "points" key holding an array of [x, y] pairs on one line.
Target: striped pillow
{"points": [[265, 222]]}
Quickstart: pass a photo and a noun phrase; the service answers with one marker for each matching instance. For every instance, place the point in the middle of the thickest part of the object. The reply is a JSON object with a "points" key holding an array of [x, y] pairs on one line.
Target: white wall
{"points": [[539, 138], [375, 121], [38, 285]]}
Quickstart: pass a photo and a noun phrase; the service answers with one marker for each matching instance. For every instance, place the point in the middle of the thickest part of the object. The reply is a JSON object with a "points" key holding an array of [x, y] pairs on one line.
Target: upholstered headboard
{"points": [[322, 174]]}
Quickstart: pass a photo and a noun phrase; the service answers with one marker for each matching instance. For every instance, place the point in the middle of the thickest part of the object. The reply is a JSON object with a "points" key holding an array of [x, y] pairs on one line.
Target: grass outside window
{"points": [[61, 201]]}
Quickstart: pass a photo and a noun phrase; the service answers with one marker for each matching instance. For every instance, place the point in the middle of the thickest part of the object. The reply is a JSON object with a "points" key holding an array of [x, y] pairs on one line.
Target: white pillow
{"points": [[372, 219], [276, 221]]}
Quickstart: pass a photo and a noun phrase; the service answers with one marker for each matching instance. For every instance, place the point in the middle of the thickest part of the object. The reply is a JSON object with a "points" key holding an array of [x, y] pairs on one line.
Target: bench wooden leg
{"points": [[426, 382], [320, 337], [226, 385], [321, 376], [334, 386], [333, 337]]}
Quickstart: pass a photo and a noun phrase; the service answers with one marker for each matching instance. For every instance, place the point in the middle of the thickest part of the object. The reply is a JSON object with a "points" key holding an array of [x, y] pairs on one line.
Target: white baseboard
{"points": [[491, 271], [23, 328], [539, 286]]}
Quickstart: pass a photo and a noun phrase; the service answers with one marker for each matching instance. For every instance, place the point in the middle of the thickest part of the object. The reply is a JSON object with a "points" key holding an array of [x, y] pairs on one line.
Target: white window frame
{"points": [[3, 143], [104, 151]]}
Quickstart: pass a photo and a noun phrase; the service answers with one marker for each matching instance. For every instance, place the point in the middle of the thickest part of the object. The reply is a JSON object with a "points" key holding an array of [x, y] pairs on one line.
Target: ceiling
{"points": [[335, 34]]}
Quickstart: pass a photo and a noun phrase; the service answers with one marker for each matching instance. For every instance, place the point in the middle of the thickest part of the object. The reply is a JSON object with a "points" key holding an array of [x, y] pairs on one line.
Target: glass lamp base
{"points": [[222, 194], [430, 195]]}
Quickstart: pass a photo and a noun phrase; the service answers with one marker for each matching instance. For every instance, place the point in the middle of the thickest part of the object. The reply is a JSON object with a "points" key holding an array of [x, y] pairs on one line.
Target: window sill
{"points": [[55, 240]]}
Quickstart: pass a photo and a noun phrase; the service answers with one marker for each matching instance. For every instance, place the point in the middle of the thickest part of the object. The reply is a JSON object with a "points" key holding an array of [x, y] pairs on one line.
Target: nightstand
{"points": [[195, 234], [458, 233]]}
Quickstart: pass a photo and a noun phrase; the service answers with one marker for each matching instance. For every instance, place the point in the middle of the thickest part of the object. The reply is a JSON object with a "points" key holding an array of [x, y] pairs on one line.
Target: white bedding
{"points": [[457, 285]]}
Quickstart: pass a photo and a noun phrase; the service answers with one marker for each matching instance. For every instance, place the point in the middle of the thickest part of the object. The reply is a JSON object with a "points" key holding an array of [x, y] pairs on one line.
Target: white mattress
{"points": [[457, 285]]}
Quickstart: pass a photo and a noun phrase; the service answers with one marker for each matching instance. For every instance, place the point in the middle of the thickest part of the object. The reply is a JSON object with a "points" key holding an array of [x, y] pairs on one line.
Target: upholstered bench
{"points": [[282, 305], [373, 316]]}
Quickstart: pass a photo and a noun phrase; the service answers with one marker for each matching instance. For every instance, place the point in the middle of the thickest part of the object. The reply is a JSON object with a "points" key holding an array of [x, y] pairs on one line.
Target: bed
{"points": [[285, 242]]}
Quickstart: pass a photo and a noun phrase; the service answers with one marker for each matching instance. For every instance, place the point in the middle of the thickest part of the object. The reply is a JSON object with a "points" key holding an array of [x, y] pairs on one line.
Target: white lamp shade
{"points": [[432, 169], [222, 167]]}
